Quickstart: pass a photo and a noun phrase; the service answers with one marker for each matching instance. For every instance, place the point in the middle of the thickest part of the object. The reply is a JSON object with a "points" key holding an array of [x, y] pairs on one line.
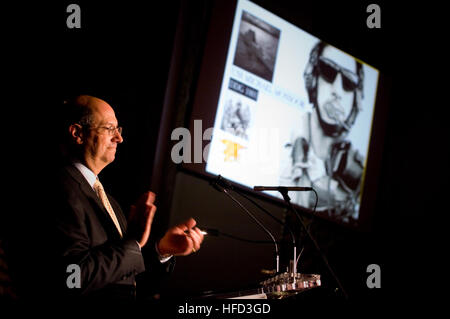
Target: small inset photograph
{"points": [[236, 118], [257, 46]]}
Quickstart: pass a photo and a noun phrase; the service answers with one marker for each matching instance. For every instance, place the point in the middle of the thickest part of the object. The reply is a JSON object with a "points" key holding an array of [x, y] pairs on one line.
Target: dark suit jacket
{"points": [[84, 234]]}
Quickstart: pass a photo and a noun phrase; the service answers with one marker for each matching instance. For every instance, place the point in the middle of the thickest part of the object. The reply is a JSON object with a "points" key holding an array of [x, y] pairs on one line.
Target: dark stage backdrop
{"points": [[144, 59], [121, 54]]}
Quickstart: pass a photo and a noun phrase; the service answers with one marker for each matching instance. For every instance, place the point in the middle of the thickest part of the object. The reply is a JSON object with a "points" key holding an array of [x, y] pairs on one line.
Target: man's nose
{"points": [[118, 137], [336, 87]]}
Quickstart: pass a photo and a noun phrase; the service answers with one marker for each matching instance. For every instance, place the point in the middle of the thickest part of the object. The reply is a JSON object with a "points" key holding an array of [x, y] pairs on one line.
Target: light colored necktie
{"points": [[101, 193]]}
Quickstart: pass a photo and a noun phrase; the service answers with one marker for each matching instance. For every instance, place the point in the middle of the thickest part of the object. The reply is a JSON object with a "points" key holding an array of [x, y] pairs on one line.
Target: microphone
{"points": [[223, 182], [282, 188], [222, 185], [294, 245], [226, 183]]}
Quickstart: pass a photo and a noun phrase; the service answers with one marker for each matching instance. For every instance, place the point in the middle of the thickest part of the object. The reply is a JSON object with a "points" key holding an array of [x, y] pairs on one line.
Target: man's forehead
{"points": [[105, 118], [103, 112]]}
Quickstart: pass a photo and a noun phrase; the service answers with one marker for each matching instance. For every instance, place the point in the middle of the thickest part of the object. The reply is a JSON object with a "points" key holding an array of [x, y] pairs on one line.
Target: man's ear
{"points": [[76, 132]]}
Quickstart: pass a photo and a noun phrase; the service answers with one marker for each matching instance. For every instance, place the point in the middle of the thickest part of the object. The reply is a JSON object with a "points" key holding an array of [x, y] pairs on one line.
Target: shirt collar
{"points": [[87, 173]]}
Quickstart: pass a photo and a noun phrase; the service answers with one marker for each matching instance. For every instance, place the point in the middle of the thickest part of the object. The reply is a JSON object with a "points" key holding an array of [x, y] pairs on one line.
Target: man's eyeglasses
{"points": [[329, 71], [111, 130]]}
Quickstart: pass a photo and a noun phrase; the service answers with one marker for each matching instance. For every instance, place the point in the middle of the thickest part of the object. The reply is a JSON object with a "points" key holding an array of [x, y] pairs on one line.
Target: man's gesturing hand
{"points": [[181, 240], [141, 218]]}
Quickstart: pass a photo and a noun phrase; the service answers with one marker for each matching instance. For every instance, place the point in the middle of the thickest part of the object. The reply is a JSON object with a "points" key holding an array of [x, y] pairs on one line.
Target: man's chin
{"points": [[109, 158]]}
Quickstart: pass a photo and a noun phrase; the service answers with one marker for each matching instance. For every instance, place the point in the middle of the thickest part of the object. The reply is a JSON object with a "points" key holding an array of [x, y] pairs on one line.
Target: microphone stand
{"points": [[224, 190], [294, 266], [284, 192]]}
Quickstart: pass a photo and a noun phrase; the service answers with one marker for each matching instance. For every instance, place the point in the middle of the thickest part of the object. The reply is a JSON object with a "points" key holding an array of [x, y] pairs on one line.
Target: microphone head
{"points": [[216, 184], [223, 182]]}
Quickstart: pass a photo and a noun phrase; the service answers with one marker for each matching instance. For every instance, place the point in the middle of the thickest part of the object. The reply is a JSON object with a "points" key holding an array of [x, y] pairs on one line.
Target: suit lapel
{"points": [[91, 194]]}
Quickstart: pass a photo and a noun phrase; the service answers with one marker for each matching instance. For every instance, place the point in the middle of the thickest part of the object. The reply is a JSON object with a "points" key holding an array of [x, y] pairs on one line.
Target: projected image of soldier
{"points": [[320, 154]]}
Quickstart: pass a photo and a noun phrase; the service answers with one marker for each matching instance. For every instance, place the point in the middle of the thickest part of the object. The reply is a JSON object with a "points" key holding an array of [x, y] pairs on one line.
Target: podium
{"points": [[281, 286]]}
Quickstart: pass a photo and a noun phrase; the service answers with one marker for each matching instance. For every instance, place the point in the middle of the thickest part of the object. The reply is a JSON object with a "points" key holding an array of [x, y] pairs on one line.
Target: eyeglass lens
{"points": [[329, 70]]}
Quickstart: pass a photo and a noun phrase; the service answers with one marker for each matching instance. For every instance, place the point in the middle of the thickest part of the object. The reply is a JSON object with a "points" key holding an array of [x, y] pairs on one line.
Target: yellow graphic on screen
{"points": [[231, 150]]}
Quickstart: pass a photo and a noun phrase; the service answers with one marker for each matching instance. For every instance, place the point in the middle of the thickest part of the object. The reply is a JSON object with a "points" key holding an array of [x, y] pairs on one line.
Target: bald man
{"points": [[93, 233]]}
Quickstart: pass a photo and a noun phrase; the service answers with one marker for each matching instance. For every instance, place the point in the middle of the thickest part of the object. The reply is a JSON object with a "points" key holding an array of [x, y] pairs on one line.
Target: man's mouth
{"points": [[334, 111]]}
